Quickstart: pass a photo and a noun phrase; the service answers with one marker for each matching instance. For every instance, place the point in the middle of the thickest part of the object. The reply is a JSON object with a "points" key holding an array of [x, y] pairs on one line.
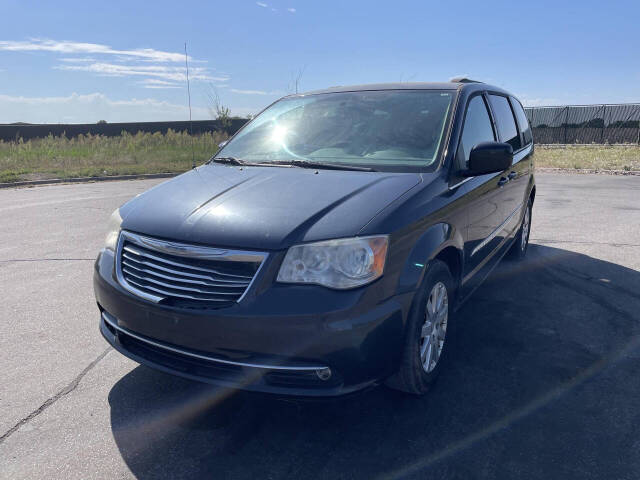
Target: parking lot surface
{"points": [[542, 376]]}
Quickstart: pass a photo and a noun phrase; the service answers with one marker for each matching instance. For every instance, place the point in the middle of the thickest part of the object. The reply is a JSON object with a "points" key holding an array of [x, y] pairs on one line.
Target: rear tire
{"points": [[521, 242], [429, 321]]}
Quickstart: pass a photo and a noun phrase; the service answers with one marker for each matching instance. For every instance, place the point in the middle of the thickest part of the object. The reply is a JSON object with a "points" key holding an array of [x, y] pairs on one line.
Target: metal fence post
{"points": [[604, 122], [533, 111]]}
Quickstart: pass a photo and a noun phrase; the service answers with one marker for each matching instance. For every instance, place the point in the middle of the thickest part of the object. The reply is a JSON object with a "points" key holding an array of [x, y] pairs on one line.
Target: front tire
{"points": [[426, 332]]}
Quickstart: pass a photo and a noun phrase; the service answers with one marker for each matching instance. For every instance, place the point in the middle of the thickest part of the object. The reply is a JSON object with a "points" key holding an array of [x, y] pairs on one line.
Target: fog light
{"points": [[324, 373]]}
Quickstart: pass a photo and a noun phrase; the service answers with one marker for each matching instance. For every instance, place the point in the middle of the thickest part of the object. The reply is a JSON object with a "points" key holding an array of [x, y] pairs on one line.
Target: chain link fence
{"points": [[586, 124]]}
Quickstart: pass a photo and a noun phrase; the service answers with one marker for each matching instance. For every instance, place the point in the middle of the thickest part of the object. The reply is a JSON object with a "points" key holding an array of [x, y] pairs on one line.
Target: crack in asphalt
{"points": [[51, 400], [63, 200]]}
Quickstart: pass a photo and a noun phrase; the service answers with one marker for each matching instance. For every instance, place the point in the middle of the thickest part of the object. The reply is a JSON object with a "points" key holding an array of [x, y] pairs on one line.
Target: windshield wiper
{"points": [[237, 161], [295, 163], [322, 165], [229, 160]]}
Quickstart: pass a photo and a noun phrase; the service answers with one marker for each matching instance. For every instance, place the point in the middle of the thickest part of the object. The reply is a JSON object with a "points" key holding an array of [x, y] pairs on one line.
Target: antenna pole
{"points": [[186, 64]]}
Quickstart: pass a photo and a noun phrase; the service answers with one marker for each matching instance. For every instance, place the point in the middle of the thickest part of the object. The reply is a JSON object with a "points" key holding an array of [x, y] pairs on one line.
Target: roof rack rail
{"points": [[463, 80]]}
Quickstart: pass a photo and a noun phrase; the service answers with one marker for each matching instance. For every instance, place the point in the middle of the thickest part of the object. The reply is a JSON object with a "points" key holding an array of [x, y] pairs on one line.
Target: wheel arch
{"points": [[452, 257], [441, 241]]}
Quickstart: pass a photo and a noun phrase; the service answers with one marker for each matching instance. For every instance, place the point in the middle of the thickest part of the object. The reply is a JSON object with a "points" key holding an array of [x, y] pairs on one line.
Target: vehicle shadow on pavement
{"points": [[541, 381]]}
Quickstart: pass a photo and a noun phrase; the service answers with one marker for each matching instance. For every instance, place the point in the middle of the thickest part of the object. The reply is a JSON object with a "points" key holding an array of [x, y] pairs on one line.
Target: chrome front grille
{"points": [[183, 275]]}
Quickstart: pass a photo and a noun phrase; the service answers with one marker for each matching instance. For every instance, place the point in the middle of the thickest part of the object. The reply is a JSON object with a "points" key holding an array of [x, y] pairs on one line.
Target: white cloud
{"points": [[265, 5], [140, 62], [90, 108], [67, 47], [291, 10], [249, 92], [155, 83], [77, 59], [173, 73]]}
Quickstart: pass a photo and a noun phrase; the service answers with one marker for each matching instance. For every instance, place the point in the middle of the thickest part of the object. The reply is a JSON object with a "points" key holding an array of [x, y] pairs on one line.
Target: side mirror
{"points": [[489, 157]]}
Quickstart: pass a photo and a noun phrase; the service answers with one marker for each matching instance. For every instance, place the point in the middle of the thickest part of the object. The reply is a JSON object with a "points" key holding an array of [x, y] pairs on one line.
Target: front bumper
{"points": [[295, 340]]}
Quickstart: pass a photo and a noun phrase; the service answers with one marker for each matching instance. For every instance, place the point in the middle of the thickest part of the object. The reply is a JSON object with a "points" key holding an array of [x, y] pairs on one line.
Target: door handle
{"points": [[502, 181], [512, 175]]}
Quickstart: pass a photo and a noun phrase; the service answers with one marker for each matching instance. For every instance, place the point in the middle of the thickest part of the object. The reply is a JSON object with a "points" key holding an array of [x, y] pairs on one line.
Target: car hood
{"points": [[264, 208]]}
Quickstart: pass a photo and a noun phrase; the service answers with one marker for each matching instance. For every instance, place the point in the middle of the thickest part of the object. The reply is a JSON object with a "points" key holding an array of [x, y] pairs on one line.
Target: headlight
{"points": [[113, 229], [344, 263]]}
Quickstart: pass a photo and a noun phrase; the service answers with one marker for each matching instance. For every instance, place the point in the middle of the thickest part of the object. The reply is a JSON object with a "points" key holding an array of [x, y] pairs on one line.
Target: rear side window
{"points": [[523, 123], [477, 128], [506, 123]]}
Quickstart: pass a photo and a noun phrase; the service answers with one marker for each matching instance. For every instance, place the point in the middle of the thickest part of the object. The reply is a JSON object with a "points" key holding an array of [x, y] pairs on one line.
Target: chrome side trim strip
{"points": [[493, 234], [460, 183], [107, 318]]}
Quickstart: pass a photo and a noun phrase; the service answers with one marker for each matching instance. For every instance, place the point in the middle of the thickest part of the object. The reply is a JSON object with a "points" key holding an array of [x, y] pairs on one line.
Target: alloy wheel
{"points": [[526, 223], [434, 328]]}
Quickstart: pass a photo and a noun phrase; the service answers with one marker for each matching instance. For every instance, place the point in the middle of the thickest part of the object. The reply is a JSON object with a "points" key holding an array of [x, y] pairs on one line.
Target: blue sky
{"points": [[68, 62]]}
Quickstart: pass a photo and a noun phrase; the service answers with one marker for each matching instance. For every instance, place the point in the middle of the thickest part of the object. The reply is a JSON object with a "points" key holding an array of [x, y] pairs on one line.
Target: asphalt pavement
{"points": [[542, 376]]}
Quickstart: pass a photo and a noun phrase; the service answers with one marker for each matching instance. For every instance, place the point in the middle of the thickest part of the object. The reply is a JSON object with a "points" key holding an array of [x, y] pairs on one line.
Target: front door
{"points": [[484, 194]]}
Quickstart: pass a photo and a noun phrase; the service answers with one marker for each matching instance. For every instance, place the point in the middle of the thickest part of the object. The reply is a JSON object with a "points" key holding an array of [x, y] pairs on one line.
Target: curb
{"points": [[53, 181], [582, 171]]}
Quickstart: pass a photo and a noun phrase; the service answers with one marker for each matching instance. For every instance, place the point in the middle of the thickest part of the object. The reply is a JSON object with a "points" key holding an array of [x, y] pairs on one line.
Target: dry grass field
{"points": [[92, 156], [596, 157]]}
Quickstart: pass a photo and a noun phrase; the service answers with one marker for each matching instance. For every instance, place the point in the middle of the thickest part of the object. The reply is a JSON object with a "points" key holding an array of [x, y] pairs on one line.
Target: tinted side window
{"points": [[523, 123], [477, 128], [506, 123]]}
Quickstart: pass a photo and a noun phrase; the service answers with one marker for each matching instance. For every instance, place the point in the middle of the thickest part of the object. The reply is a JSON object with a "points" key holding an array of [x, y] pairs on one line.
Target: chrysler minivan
{"points": [[326, 247]]}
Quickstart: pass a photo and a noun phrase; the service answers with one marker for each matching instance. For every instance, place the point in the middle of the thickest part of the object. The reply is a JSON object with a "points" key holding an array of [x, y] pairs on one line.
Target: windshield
{"points": [[384, 129]]}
